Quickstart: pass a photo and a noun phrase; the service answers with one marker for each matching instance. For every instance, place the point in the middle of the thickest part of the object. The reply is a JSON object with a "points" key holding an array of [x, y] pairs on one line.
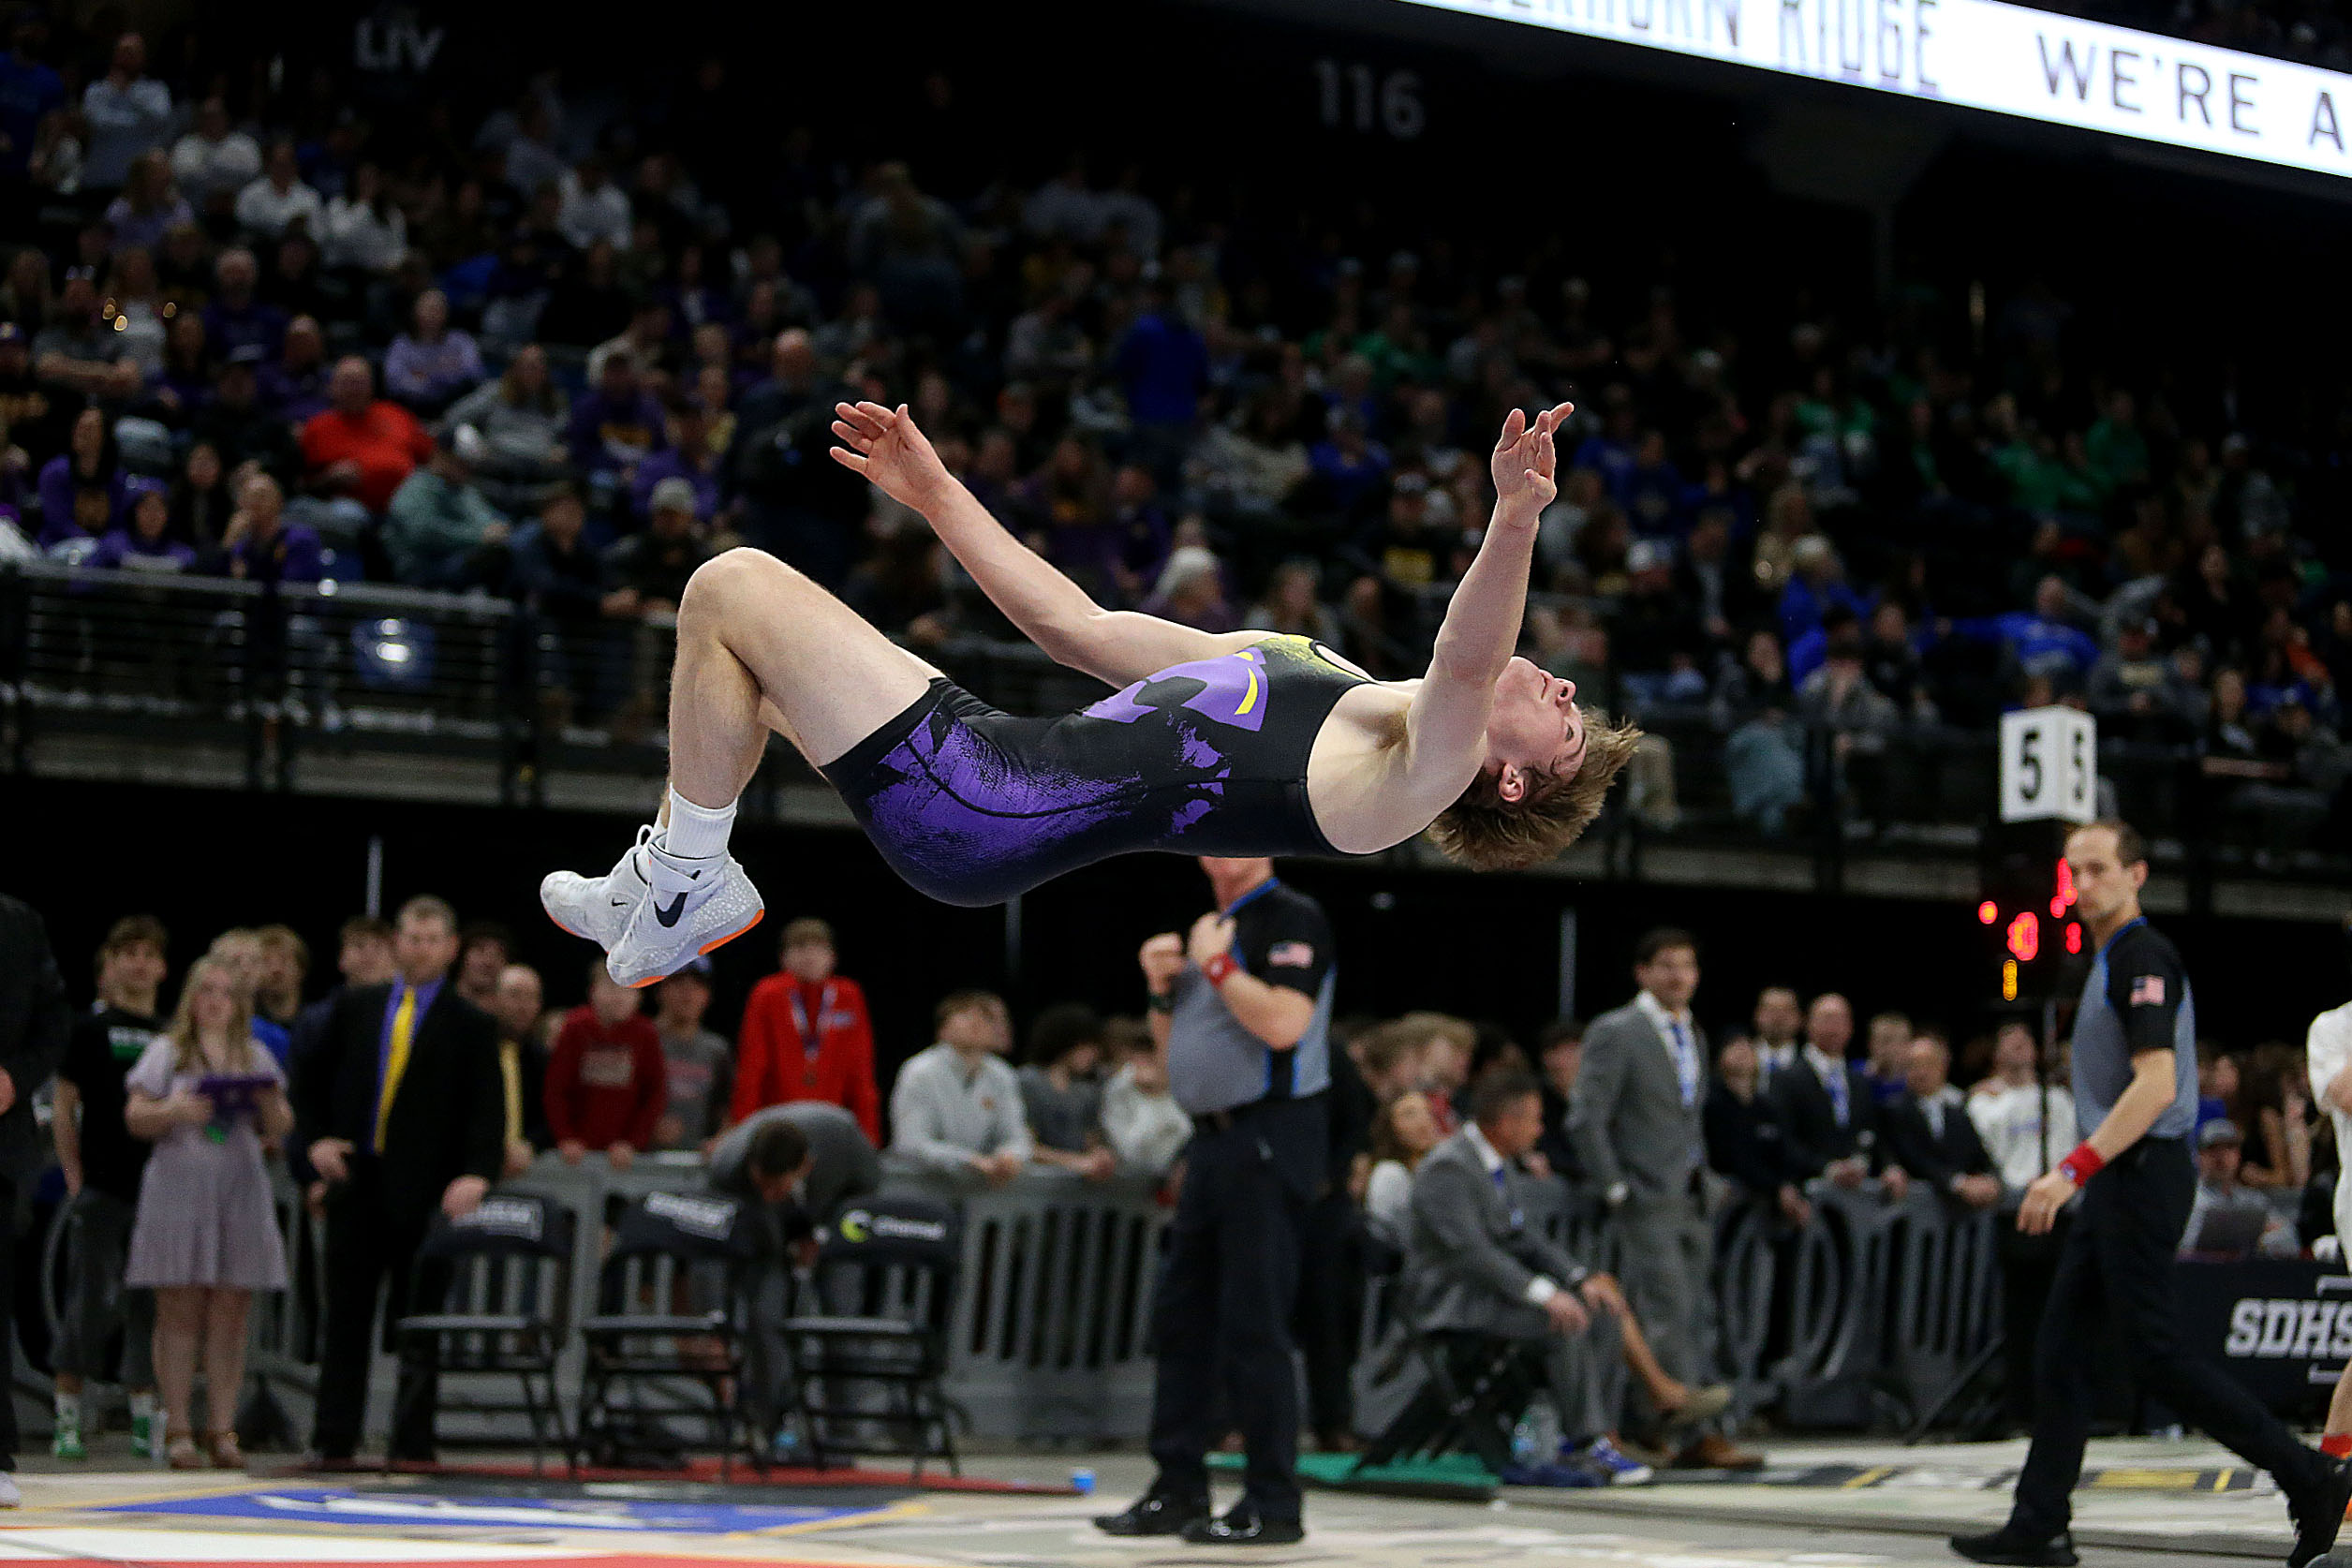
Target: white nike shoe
{"points": [[598, 907], [668, 928]]}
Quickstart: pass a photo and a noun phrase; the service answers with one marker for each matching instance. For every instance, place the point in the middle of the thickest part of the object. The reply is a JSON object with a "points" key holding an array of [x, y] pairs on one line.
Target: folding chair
{"points": [[493, 1295], [672, 1305], [1475, 1386], [885, 1277]]}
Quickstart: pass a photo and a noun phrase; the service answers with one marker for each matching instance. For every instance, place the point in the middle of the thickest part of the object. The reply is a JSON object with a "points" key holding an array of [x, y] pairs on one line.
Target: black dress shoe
{"points": [[2011, 1545], [1156, 1513], [2318, 1513], [1244, 1527]]}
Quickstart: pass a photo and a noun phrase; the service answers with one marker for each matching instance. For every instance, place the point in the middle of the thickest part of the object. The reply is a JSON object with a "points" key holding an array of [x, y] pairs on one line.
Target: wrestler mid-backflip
{"points": [[1239, 744]]}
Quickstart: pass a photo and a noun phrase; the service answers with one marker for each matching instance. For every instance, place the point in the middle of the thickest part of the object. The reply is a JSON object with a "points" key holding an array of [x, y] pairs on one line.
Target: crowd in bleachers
{"points": [[564, 355]]}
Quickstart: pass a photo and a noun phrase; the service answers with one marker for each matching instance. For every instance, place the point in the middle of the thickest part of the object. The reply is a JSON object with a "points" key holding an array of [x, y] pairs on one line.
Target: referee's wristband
{"points": [[1221, 969], [2082, 1164], [1160, 1001]]}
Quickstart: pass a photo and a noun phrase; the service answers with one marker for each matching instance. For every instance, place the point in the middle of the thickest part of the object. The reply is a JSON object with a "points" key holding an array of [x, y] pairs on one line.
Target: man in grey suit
{"points": [[1473, 1264], [1636, 1122]]}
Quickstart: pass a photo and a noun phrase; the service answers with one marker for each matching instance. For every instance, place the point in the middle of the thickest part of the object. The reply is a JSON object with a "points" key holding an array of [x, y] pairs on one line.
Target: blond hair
{"points": [[1421, 1027], [1487, 833], [187, 1054]]}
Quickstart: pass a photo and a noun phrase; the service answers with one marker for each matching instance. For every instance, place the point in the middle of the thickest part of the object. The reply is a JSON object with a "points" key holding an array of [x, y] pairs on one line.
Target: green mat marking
{"points": [[1445, 1474]]}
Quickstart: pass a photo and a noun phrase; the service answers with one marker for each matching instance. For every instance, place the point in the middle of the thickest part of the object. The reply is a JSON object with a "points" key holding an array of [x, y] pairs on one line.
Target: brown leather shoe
{"points": [[1650, 1454], [1717, 1451]]}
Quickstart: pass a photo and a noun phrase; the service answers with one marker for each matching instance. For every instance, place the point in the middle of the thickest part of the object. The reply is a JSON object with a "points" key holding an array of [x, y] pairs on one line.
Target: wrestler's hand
{"points": [[887, 448], [1212, 934], [1524, 461]]}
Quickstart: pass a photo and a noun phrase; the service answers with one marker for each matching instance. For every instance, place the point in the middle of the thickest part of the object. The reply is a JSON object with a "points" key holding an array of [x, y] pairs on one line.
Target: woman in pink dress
{"points": [[206, 1237]]}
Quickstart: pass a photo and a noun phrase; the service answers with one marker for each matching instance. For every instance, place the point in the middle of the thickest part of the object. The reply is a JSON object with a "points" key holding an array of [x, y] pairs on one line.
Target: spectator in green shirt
{"points": [[440, 525]]}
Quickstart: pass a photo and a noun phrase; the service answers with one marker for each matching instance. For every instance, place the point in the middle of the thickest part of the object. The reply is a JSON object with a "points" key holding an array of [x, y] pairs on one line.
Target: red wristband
{"points": [[2082, 1164], [1221, 969]]}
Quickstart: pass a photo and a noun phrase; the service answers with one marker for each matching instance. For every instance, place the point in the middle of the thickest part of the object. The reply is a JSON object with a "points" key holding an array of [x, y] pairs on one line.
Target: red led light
{"points": [[2025, 937], [2074, 937], [1987, 912], [2064, 900]]}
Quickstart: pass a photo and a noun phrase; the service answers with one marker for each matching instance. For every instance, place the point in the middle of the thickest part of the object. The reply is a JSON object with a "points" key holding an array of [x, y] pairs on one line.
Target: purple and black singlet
{"points": [[972, 806]]}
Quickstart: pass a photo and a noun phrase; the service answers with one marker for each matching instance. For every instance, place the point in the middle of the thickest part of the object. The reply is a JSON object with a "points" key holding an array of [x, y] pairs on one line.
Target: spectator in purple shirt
{"points": [[1142, 526], [294, 385], [186, 378], [689, 457], [432, 364], [30, 92], [143, 544], [237, 316], [81, 487], [617, 425], [263, 546]]}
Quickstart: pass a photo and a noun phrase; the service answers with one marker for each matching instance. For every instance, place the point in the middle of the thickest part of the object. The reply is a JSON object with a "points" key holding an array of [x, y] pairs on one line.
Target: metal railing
{"points": [[1865, 1315], [280, 687], [1050, 1335]]}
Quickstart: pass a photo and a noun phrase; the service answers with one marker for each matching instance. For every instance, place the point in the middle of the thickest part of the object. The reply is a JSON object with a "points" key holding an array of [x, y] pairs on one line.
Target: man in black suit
{"points": [[35, 1021], [1930, 1134], [403, 1114], [1829, 1122]]}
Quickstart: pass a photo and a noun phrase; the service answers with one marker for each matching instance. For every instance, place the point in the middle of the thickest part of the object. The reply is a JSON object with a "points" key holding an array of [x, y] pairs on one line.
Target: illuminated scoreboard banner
{"points": [[1987, 54]]}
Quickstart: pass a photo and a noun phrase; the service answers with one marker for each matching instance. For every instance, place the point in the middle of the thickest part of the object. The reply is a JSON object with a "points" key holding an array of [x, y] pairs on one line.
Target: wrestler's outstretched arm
{"points": [[1115, 645], [1446, 726]]}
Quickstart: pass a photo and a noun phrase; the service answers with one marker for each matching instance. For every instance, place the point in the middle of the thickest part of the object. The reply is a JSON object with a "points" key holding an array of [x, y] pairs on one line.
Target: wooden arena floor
{"points": [[1839, 1505]]}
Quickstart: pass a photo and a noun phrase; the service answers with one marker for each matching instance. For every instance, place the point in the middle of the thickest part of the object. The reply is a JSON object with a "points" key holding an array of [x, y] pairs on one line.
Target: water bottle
{"points": [[1543, 1423], [1523, 1444], [1082, 1482]]}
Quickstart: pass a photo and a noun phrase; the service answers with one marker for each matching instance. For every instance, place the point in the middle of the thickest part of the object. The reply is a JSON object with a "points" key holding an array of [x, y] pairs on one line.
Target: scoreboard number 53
{"points": [[2049, 766]]}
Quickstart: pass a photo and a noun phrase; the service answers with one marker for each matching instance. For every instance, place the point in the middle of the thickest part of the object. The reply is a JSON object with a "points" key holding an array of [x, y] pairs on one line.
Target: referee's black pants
{"points": [[2114, 1281], [1223, 1313]]}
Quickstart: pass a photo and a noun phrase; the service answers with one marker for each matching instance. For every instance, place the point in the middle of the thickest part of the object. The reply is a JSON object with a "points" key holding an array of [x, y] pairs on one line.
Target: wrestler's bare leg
{"points": [[759, 648], [762, 648]]}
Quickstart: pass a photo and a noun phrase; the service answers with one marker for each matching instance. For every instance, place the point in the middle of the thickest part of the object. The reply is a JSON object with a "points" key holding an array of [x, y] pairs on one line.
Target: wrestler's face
{"points": [[1535, 731]]}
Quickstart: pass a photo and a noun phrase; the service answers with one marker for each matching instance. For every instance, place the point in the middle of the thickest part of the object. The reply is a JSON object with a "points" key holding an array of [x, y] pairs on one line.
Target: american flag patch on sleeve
{"points": [[2148, 991], [1291, 955]]}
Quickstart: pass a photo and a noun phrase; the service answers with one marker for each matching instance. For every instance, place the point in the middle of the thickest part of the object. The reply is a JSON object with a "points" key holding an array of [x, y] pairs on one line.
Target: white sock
{"points": [[693, 833], [68, 1407], [142, 1403]]}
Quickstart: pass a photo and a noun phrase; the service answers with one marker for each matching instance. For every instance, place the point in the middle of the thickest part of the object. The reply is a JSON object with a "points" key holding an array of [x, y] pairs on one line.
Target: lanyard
{"points": [[811, 1034], [1252, 896]]}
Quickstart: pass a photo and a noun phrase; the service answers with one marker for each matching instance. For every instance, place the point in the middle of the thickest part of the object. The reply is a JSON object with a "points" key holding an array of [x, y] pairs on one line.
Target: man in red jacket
{"points": [[805, 1035], [607, 1083]]}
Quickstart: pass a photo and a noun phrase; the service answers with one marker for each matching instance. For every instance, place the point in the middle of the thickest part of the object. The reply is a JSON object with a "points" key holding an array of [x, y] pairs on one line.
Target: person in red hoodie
{"points": [[805, 1035], [606, 1082]]}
